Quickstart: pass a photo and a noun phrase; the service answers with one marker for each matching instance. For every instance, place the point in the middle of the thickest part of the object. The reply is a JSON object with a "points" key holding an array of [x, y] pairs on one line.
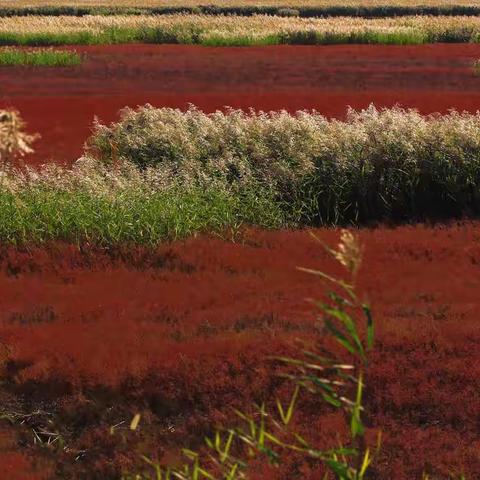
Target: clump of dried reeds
{"points": [[14, 141], [376, 164]]}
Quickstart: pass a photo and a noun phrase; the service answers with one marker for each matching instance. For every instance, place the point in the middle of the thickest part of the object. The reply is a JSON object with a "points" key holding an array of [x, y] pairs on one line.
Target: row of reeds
{"points": [[165, 174], [235, 30]]}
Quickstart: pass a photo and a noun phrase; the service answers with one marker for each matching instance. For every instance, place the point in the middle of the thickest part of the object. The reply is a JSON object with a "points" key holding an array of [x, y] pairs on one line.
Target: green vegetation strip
{"points": [[40, 214], [184, 36], [39, 58], [164, 36], [381, 11], [166, 174]]}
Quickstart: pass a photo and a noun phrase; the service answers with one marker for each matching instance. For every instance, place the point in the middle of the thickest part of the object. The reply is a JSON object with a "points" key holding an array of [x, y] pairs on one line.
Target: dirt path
{"points": [[61, 103]]}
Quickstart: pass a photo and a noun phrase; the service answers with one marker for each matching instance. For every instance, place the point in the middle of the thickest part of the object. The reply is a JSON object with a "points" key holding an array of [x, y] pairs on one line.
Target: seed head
{"points": [[13, 140], [349, 252]]}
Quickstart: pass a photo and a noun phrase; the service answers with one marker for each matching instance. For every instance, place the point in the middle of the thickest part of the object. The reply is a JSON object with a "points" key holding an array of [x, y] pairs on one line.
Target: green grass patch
{"points": [[312, 37], [45, 39], [41, 214], [239, 41], [43, 57]]}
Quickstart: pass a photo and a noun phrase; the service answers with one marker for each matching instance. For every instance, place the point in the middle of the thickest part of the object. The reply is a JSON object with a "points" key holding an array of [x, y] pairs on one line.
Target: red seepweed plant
{"points": [[338, 380]]}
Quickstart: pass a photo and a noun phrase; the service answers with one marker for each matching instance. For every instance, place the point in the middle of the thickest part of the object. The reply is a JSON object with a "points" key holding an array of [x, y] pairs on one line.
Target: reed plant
{"points": [[387, 164], [14, 141]]}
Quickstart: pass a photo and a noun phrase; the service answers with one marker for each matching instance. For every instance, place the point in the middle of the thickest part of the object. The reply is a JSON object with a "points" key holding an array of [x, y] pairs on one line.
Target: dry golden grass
{"points": [[217, 29], [232, 3]]}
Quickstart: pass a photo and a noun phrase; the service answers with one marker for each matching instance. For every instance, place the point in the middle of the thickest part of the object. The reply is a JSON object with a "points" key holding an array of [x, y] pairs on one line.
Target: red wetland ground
{"points": [[183, 333], [60, 103]]}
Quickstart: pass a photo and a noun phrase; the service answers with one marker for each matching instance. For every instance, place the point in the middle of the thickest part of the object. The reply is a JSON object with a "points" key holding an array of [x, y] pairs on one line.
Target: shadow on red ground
{"points": [[61, 103], [182, 334]]}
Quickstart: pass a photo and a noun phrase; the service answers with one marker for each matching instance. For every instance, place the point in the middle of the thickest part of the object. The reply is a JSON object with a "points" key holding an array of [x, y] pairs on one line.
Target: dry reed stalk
{"points": [[14, 142]]}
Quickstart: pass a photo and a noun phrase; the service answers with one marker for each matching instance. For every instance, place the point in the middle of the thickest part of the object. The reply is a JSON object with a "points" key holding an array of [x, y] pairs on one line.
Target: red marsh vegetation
{"points": [[60, 103], [183, 333]]}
